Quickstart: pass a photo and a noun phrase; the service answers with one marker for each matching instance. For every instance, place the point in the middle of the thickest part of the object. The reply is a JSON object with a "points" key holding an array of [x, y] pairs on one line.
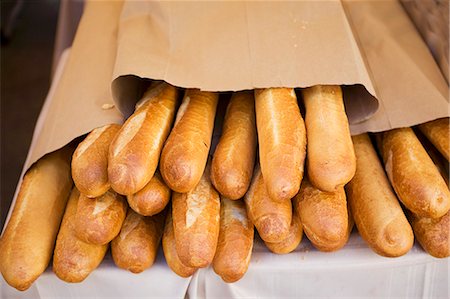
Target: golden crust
{"points": [[196, 216], [27, 243], [282, 141], [234, 158], [433, 234], [136, 246], [412, 173], [73, 259], [134, 152], [438, 132], [90, 161], [331, 159], [234, 248], [151, 199], [323, 215], [437, 158], [185, 152], [170, 250], [374, 206], [98, 220], [293, 239], [271, 218]]}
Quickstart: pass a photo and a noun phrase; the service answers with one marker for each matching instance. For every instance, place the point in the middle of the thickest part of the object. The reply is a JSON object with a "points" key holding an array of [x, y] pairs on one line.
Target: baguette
{"points": [[170, 250], [433, 234], [293, 239], [98, 220], [185, 153], [331, 159], [271, 218], [412, 173], [234, 248], [152, 199], [282, 141], [136, 246], [374, 206], [90, 161], [324, 216], [73, 259], [234, 158], [134, 152], [27, 243], [437, 158], [438, 132], [196, 216]]}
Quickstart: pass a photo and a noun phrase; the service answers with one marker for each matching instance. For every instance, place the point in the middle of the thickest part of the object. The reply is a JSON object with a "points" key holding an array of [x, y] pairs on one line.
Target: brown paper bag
{"points": [[407, 80], [229, 46], [371, 46], [77, 104]]}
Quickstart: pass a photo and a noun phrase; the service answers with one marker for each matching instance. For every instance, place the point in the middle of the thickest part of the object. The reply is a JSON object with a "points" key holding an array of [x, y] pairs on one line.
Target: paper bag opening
{"points": [[232, 46]]}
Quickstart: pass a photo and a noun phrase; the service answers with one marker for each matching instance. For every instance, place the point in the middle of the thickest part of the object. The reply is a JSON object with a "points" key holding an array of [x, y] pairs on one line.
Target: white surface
{"points": [[354, 271], [109, 281]]}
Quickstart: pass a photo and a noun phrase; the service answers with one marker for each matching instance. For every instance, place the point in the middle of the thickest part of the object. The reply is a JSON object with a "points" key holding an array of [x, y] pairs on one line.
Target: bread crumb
{"points": [[107, 106]]}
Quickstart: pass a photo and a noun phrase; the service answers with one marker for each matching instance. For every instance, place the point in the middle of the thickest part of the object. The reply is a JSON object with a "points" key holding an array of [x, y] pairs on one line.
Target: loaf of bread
{"points": [[98, 220], [170, 250], [134, 152], [27, 243], [294, 238], [323, 215], [433, 234], [185, 153], [438, 132], [437, 158], [136, 246], [234, 158], [272, 218], [73, 259], [282, 141], [196, 224], [331, 158], [152, 199], [90, 161], [412, 173], [234, 248], [375, 208]]}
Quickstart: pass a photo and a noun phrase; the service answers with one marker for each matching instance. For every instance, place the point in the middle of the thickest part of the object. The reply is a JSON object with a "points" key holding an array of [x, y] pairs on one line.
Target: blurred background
{"points": [[32, 39]]}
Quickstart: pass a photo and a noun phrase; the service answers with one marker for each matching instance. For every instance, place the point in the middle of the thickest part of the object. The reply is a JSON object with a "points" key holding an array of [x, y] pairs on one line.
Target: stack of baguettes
{"points": [[121, 199]]}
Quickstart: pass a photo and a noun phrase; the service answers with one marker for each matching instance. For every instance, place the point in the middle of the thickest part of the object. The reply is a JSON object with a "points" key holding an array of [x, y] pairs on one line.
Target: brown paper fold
{"points": [[229, 46], [408, 83], [74, 106], [371, 47]]}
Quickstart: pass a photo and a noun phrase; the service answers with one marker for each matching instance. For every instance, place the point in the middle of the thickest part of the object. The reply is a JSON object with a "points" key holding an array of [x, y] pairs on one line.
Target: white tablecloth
{"points": [[354, 271]]}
